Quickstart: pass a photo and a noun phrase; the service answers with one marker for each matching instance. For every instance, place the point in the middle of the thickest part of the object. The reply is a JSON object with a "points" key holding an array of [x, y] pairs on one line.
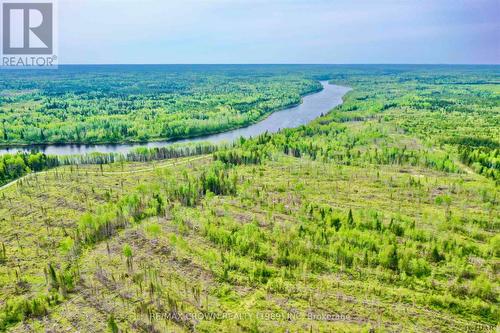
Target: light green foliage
{"points": [[370, 216], [13, 166], [153, 229], [139, 103], [127, 251]]}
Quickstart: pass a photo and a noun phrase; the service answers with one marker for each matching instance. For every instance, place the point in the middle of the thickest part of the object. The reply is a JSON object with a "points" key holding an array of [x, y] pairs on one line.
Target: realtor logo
{"points": [[28, 34], [27, 28]]}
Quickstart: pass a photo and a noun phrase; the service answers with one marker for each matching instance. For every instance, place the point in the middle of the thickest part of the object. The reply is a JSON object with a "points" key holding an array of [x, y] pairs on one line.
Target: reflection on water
{"points": [[312, 107]]}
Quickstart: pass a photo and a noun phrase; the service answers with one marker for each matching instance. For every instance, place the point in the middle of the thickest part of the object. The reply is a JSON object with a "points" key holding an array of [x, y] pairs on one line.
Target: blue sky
{"points": [[279, 31]]}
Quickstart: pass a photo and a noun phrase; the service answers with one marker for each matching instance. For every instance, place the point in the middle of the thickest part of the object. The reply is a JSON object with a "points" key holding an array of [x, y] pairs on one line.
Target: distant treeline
{"points": [[20, 164], [479, 153], [483, 160], [111, 105], [13, 166], [142, 154]]}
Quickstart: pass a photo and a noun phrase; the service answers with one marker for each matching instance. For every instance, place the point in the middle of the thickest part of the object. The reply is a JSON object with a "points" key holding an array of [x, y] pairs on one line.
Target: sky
{"points": [[279, 31]]}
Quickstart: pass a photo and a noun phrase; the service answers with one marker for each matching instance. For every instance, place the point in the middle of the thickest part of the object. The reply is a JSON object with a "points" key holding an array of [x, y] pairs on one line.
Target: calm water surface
{"points": [[312, 107]]}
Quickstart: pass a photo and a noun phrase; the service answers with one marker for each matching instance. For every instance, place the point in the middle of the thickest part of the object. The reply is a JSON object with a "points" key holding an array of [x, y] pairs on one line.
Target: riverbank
{"points": [[312, 106]]}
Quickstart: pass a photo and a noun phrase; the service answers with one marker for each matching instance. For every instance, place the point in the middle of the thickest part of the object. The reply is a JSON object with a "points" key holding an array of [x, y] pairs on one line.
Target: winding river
{"points": [[312, 106]]}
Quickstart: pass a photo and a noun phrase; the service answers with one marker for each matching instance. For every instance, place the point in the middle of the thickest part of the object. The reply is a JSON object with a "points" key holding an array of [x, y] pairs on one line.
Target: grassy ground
{"points": [[39, 212], [216, 266], [379, 217]]}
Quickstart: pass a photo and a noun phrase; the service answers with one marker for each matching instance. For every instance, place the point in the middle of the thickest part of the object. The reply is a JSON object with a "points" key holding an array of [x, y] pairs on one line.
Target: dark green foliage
{"points": [[350, 219], [112, 325], [389, 257], [52, 277], [239, 156], [3, 254], [218, 179], [20, 164], [19, 309], [78, 104], [484, 160], [369, 207], [436, 255]]}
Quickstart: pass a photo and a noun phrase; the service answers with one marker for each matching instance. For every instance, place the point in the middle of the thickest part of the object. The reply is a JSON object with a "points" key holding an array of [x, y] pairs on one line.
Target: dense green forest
{"points": [[125, 104], [18, 165], [381, 216]]}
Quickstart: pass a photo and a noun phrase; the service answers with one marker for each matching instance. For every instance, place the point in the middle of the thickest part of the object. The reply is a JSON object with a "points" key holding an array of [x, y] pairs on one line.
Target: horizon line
{"points": [[274, 64]]}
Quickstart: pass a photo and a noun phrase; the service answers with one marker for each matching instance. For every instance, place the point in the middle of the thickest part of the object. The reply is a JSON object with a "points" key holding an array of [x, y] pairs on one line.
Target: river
{"points": [[312, 107]]}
